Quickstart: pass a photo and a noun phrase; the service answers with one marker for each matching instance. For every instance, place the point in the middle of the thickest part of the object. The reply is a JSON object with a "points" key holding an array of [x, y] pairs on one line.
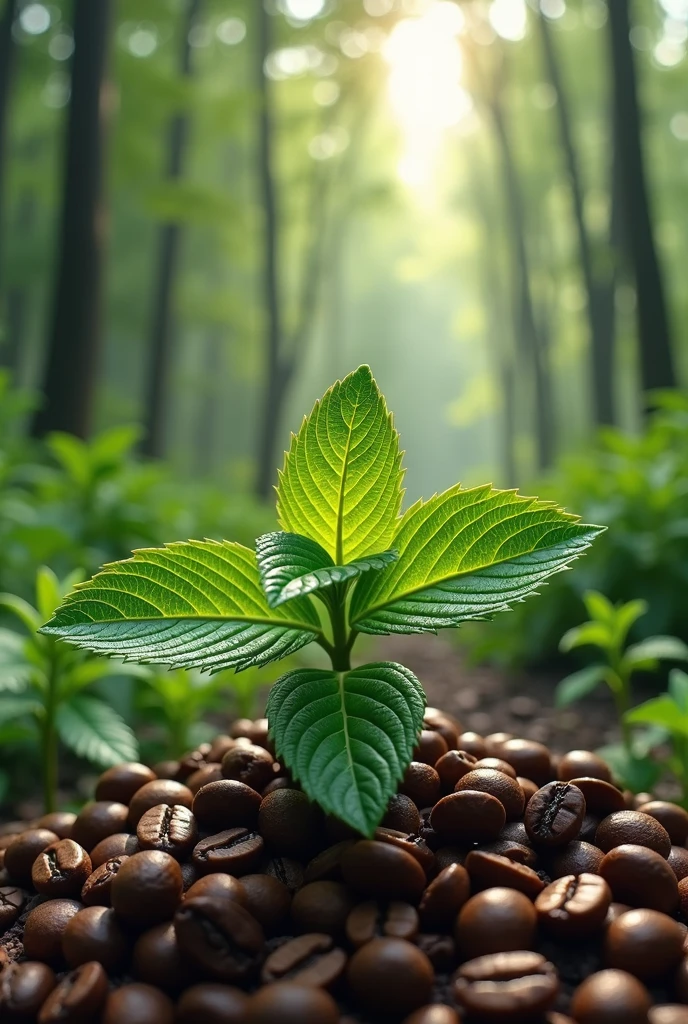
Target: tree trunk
{"points": [[169, 241], [654, 332], [207, 416], [601, 339], [72, 358], [7, 54]]}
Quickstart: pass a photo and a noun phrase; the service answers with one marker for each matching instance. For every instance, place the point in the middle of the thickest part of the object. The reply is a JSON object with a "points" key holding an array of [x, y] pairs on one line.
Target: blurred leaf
{"points": [[579, 684], [17, 707], [599, 607], [646, 653], [678, 688], [662, 710], [22, 610], [48, 593], [15, 670], [594, 634], [639, 774], [90, 728], [626, 616]]}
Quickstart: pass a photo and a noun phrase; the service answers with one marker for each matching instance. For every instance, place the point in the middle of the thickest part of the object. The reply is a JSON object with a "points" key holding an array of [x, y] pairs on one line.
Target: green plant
{"points": [[42, 687], [668, 713], [346, 563]]}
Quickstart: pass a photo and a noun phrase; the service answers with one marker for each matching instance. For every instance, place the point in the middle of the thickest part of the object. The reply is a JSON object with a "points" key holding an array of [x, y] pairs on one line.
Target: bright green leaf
{"points": [[48, 592], [466, 554], [190, 604], [292, 566], [341, 482], [22, 610], [662, 710], [348, 736], [91, 728], [626, 615], [638, 774], [678, 688], [579, 684], [646, 653], [594, 634], [599, 607]]}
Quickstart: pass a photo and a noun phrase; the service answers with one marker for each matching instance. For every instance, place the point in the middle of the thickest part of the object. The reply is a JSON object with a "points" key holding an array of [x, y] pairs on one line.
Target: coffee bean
{"points": [[494, 743], [434, 1014], [147, 888], [138, 1004], [529, 758], [644, 943], [411, 844], [383, 871], [220, 886], [268, 900], [446, 725], [601, 798], [496, 921], [452, 766], [632, 827], [203, 777], [488, 870], [97, 820], [226, 804], [472, 743], [236, 851], [390, 976], [170, 828], [166, 770], [444, 897], [529, 787], [190, 875], [496, 764], [575, 858], [290, 823], [221, 938], [497, 784], [286, 870], [669, 1013], [322, 907], [44, 929], [640, 877], [23, 850], [61, 869], [212, 1003], [78, 997], [288, 1003], [158, 960], [574, 906], [12, 901], [468, 816], [190, 763], [373, 920], [254, 766], [327, 865], [310, 959], [671, 816], [506, 986], [23, 990], [401, 815], [97, 889], [582, 764], [588, 829], [122, 781], [439, 949], [678, 861], [448, 855], [421, 783], [59, 822], [160, 791], [430, 748], [119, 844], [95, 934], [609, 997], [554, 815]]}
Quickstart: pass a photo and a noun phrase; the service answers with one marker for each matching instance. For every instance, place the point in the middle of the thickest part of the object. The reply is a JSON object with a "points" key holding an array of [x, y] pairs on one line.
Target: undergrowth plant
{"points": [[668, 713], [346, 562]]}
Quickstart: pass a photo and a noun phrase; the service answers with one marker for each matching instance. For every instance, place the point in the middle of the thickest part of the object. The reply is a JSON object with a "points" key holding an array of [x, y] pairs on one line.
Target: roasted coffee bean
{"points": [[268, 900], [157, 959], [322, 907], [468, 816], [190, 875], [290, 823], [97, 889], [430, 748], [166, 770], [437, 1013], [219, 747], [529, 787], [59, 822], [327, 865], [640, 877], [554, 815], [514, 851], [61, 869], [23, 990], [673, 818], [147, 888], [579, 764], [171, 828], [681, 981], [78, 997], [574, 906], [601, 798], [588, 829], [383, 871], [97, 820], [488, 870], [160, 791], [506, 986], [411, 844], [444, 897], [497, 784], [494, 743], [678, 861], [95, 934], [286, 870], [219, 937], [310, 959], [212, 1003], [529, 758], [645, 943], [615, 911], [496, 921], [138, 1004], [120, 844], [372, 920], [45, 927], [254, 766], [12, 901], [452, 766], [611, 997], [288, 1003], [632, 827], [226, 804], [192, 761], [472, 743], [421, 783], [446, 725], [236, 851], [122, 781], [448, 855], [575, 858], [402, 815], [390, 976], [218, 885], [23, 850], [203, 777], [439, 949], [668, 1013], [497, 764]]}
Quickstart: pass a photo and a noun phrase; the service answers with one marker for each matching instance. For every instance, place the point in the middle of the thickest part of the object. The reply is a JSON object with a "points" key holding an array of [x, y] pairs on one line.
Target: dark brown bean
{"points": [[574, 906], [497, 784], [59, 822], [640, 877], [554, 815], [147, 888], [436, 1013], [212, 1003], [252, 765], [611, 997], [78, 997], [645, 943], [160, 791], [23, 850], [328, 864], [430, 748], [529, 758], [579, 764], [322, 907], [383, 871], [517, 852], [44, 929], [236, 851], [489, 869], [290, 823], [220, 886], [203, 777], [668, 1013], [575, 858], [468, 816], [411, 844], [95, 934], [97, 820], [390, 976], [444, 897], [286, 870], [24, 988], [138, 1004], [61, 869], [671, 816], [310, 959], [122, 781], [119, 844], [452, 766], [97, 889], [529, 787], [506, 986], [158, 960], [268, 900], [12, 901], [170, 828], [601, 798], [496, 921], [402, 815], [219, 937], [288, 1003], [632, 827], [374, 920], [446, 725], [421, 783], [678, 861], [497, 764]]}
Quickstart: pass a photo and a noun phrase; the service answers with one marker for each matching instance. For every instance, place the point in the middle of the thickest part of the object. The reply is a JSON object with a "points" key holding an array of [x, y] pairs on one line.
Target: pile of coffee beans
{"points": [[503, 884]]}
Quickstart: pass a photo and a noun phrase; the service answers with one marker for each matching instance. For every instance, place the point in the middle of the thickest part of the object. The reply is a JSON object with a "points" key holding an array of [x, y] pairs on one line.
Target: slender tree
{"points": [[73, 343], [169, 245], [654, 331], [7, 54]]}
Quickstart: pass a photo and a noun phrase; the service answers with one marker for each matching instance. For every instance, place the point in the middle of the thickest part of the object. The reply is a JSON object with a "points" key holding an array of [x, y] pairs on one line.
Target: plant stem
{"points": [[50, 738], [341, 648]]}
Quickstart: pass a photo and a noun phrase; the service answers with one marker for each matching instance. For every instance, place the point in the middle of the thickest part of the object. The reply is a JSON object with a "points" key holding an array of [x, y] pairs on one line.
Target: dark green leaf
{"points": [[91, 728]]}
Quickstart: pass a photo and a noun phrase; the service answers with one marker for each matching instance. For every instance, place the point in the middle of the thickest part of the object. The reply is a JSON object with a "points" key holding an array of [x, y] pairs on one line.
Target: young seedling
{"points": [[669, 713], [346, 563]]}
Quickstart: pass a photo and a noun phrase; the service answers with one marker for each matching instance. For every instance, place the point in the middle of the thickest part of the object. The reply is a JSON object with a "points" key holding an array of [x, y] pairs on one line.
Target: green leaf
{"points": [[579, 684], [466, 554], [12, 708], [594, 634], [92, 669], [599, 607], [678, 688], [646, 653], [22, 610], [341, 482], [348, 736], [189, 604], [626, 615], [91, 728], [15, 669], [662, 710], [48, 592], [639, 774], [292, 566]]}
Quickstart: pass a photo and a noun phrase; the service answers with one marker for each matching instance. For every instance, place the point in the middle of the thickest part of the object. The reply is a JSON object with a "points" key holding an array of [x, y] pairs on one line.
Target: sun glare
{"points": [[424, 86]]}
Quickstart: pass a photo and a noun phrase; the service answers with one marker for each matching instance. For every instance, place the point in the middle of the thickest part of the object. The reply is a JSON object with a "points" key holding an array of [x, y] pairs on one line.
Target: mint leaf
{"points": [[466, 554], [91, 728], [341, 482], [348, 736], [291, 566], [190, 604]]}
